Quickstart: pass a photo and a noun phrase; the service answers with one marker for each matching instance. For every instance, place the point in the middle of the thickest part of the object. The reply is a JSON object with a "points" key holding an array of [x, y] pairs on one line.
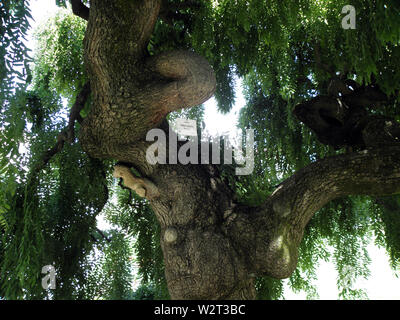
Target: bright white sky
{"points": [[382, 284]]}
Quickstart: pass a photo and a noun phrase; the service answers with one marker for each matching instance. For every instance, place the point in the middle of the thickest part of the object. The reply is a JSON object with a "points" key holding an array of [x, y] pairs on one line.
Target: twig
{"points": [[103, 235], [75, 111]]}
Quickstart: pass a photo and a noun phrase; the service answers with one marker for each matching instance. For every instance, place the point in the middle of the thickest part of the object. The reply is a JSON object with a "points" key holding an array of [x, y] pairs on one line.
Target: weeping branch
{"points": [[68, 134], [318, 60]]}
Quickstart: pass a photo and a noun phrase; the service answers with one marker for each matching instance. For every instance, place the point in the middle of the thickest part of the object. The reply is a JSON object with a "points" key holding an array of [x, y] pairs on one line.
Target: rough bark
{"points": [[213, 248]]}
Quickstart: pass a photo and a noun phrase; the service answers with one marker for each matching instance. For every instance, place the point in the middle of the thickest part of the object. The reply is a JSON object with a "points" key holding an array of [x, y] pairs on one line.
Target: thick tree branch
{"points": [[79, 9], [275, 229]]}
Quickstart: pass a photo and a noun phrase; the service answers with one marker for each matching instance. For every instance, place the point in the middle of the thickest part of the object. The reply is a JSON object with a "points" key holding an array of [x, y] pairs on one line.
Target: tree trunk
{"points": [[213, 248]]}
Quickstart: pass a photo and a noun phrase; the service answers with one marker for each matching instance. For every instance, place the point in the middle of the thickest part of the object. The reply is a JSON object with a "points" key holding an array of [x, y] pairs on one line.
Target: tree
{"points": [[322, 100]]}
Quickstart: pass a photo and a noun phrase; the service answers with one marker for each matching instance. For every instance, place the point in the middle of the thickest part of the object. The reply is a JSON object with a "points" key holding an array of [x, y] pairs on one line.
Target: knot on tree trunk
{"points": [[122, 115], [191, 80]]}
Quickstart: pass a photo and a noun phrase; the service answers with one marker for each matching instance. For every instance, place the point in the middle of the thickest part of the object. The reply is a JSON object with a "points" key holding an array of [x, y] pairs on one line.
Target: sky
{"points": [[382, 284]]}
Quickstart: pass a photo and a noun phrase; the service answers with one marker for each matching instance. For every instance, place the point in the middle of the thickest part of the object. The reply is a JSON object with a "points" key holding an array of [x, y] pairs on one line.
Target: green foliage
{"points": [[14, 59], [386, 227], [46, 218], [20, 243], [49, 221], [14, 73], [117, 266], [145, 292], [136, 219], [343, 225], [59, 55], [71, 206], [283, 146], [269, 288]]}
